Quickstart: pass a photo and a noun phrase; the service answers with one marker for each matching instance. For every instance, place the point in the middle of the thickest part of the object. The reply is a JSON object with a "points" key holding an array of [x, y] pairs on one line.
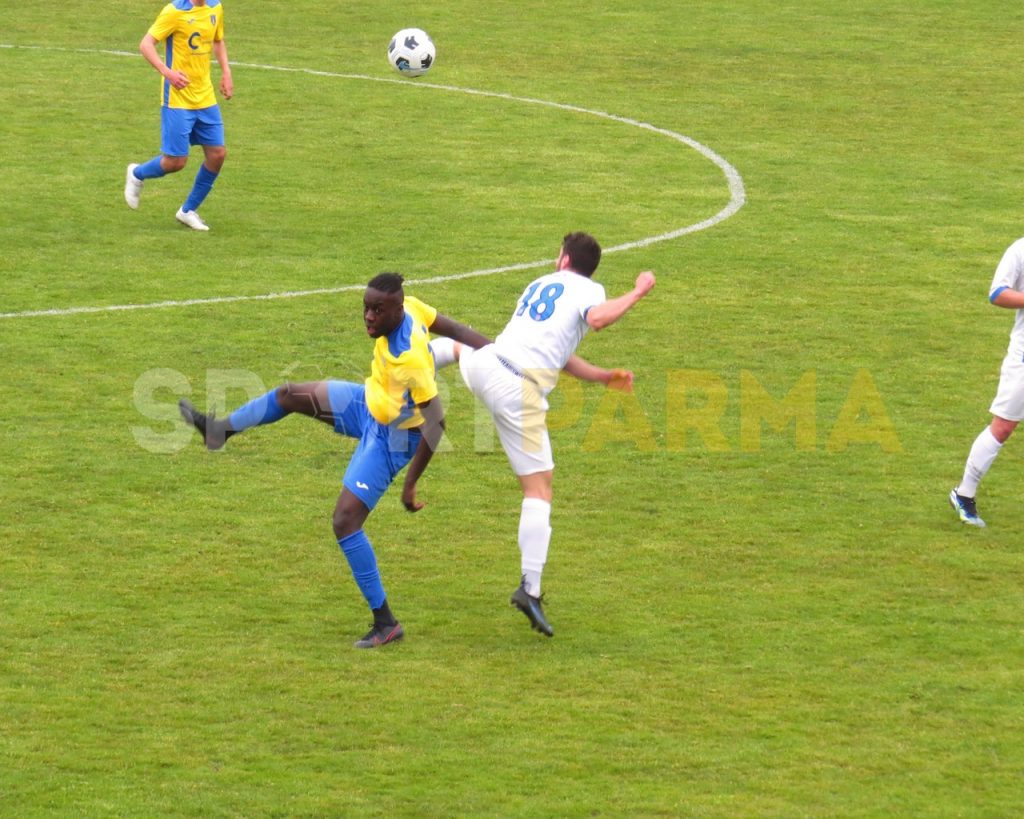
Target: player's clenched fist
{"points": [[644, 283]]}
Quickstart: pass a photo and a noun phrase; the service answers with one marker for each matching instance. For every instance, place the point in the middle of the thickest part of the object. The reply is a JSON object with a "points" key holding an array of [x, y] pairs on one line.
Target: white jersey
{"points": [[548, 324], [1010, 275]]}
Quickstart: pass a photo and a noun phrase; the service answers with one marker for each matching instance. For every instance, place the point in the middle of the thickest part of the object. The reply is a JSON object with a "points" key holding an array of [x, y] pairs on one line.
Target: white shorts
{"points": [[516, 404], [1009, 400]]}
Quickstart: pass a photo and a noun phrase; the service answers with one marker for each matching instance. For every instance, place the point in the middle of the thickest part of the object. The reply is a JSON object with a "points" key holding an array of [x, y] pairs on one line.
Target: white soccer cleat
{"points": [[192, 219], [132, 187]]}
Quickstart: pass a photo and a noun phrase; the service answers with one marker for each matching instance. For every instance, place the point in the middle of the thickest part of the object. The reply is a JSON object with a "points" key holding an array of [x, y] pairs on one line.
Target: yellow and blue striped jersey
{"points": [[402, 373], [188, 32]]}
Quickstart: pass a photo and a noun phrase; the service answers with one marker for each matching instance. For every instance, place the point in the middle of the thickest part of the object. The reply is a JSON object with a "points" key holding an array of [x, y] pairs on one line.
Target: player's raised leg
{"points": [[446, 351], [155, 168], [310, 398]]}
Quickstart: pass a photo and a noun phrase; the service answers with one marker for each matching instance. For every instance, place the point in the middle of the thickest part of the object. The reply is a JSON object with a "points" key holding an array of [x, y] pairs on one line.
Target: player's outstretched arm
{"points": [[602, 315], [433, 430], [445, 326], [585, 371]]}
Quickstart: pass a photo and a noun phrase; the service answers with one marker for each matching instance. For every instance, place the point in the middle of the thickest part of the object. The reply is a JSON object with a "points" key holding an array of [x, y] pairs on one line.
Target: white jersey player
{"points": [[513, 376], [1007, 408]]}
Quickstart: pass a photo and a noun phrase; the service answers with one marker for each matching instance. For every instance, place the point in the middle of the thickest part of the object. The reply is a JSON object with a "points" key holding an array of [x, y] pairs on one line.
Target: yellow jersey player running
{"points": [[395, 414], [190, 30]]}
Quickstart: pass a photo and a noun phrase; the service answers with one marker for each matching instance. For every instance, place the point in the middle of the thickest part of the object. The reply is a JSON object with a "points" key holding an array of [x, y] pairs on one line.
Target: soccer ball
{"points": [[411, 52]]}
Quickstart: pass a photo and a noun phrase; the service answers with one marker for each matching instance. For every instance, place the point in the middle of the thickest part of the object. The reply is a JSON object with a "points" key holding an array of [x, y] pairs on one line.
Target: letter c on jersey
{"points": [[191, 40]]}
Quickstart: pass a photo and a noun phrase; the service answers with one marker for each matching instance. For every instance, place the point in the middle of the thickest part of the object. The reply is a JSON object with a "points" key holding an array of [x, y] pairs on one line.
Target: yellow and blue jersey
{"points": [[188, 32], [402, 373]]}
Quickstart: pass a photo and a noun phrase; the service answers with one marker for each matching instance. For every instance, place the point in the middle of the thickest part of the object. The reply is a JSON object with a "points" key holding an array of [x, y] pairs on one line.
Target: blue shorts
{"points": [[383, 451], [180, 128]]}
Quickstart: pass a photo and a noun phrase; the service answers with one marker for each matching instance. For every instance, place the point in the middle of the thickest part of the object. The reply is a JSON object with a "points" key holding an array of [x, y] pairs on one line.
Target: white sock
{"points": [[445, 351], [983, 452], [534, 537]]}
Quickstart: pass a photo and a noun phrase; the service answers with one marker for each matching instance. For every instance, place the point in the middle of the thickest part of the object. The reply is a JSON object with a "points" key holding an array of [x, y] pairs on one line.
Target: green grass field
{"points": [[763, 605]]}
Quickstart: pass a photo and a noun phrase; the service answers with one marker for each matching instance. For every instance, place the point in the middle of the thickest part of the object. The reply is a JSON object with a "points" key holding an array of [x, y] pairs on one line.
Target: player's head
{"points": [[580, 253], [383, 302]]}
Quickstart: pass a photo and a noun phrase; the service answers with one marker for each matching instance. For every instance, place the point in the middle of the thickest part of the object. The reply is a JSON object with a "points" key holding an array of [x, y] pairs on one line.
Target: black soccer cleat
{"points": [[214, 432], [966, 509], [380, 635], [531, 607]]}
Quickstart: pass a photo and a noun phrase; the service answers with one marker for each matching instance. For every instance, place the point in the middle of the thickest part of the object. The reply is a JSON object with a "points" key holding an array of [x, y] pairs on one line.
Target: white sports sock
{"points": [[444, 351], [983, 452], [534, 537]]}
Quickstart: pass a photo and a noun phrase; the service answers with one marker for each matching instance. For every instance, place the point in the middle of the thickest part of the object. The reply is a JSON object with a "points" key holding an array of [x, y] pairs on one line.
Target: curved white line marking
{"points": [[737, 194]]}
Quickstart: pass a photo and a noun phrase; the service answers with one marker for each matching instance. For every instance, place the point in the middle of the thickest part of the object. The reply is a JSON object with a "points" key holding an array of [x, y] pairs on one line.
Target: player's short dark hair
{"points": [[386, 282], [583, 251]]}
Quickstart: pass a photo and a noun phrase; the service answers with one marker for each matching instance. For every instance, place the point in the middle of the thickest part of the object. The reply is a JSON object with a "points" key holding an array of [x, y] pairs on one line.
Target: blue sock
{"points": [[363, 562], [262, 410], [151, 169], [204, 181]]}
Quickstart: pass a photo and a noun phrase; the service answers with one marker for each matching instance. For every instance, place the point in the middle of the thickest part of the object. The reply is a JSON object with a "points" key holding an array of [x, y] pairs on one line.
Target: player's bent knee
{"points": [[285, 396], [299, 398], [344, 523], [350, 514], [1002, 428], [215, 158]]}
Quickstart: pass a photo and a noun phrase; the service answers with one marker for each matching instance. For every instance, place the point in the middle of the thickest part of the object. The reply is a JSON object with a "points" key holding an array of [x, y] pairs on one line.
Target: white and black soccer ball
{"points": [[411, 52]]}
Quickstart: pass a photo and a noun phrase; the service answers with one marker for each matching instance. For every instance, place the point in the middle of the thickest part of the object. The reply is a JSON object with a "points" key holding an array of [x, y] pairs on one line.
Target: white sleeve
{"points": [[1009, 270], [594, 296]]}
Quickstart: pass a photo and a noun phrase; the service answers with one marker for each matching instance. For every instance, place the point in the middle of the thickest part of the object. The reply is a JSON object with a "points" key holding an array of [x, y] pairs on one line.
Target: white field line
{"points": [[737, 194]]}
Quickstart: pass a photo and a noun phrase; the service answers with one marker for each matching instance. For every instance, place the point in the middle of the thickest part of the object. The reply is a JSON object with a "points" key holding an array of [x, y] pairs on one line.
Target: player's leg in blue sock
{"points": [[363, 484], [200, 188], [151, 169], [361, 559], [306, 399], [263, 410]]}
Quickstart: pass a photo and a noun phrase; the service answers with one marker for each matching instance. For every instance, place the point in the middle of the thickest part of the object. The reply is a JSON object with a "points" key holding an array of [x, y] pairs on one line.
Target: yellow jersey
{"points": [[188, 32], [402, 373]]}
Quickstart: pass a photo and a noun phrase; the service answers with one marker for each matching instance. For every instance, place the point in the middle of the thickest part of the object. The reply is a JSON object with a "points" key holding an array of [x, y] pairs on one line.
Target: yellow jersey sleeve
{"points": [[424, 313], [419, 367], [402, 373]]}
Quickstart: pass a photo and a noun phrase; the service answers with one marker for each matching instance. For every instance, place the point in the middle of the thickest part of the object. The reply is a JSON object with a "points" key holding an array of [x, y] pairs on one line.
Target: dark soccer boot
{"points": [[214, 432], [380, 635], [966, 509], [531, 607]]}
